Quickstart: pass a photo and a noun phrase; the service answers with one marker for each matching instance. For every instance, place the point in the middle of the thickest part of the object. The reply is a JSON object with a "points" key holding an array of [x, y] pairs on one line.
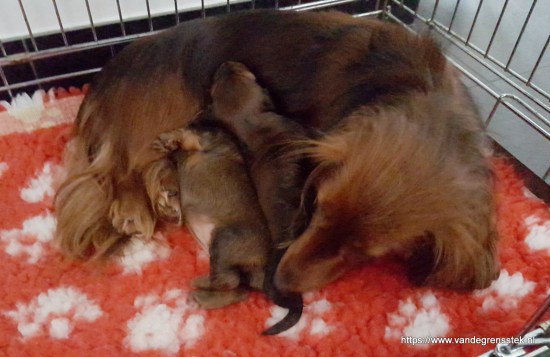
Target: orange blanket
{"points": [[137, 305]]}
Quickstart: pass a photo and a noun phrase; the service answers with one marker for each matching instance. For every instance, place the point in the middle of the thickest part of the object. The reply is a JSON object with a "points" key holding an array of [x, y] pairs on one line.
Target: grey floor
{"points": [[506, 126]]}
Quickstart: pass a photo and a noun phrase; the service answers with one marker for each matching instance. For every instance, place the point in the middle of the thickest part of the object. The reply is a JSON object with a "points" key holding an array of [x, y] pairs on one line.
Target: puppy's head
{"points": [[235, 93]]}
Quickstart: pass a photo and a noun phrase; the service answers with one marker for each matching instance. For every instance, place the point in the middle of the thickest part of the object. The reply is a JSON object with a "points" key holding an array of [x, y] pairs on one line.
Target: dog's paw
{"points": [[130, 219], [208, 299]]}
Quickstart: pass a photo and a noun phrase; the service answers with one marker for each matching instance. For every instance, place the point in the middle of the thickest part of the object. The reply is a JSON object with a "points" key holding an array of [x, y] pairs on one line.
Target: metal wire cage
{"points": [[499, 45]]}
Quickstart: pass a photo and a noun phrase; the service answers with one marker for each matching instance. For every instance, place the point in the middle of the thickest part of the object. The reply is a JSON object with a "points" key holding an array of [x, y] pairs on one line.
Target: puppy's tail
{"points": [[292, 301]]}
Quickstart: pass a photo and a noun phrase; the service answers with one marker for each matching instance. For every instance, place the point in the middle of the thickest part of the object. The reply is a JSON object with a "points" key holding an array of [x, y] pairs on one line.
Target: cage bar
{"points": [[28, 25], [539, 59], [120, 19], [496, 27], [3, 49], [516, 44], [474, 22], [149, 18], [434, 11], [176, 12], [94, 33], [453, 16], [60, 23]]}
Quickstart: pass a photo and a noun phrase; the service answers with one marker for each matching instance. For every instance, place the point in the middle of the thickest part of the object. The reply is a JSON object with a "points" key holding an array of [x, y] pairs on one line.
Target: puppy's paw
{"points": [[168, 141], [167, 205], [208, 299], [202, 283], [181, 138], [222, 281]]}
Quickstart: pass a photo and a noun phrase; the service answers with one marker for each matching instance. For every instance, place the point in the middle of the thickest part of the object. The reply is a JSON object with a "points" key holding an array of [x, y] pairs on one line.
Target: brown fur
{"points": [[343, 76], [215, 187], [423, 179]]}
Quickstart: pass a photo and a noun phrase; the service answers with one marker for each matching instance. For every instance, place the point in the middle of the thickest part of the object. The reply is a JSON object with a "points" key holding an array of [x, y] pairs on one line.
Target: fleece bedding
{"points": [[137, 305]]}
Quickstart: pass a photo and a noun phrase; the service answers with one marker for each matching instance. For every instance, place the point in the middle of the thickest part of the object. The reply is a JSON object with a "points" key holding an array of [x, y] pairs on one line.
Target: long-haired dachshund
{"points": [[400, 168]]}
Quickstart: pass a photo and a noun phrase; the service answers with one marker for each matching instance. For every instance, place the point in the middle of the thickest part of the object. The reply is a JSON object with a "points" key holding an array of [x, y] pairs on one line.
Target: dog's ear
{"points": [[331, 151]]}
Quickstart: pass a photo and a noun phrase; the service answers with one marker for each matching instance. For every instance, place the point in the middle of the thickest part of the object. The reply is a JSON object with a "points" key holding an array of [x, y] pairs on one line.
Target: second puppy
{"points": [[277, 169]]}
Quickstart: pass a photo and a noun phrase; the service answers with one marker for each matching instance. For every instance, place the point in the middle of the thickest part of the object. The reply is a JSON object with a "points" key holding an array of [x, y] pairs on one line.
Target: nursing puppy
{"points": [[215, 191], [276, 168], [400, 166]]}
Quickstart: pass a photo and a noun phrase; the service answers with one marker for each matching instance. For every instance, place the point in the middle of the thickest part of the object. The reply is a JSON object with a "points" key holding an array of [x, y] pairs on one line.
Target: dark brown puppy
{"points": [[276, 169], [216, 192], [401, 164]]}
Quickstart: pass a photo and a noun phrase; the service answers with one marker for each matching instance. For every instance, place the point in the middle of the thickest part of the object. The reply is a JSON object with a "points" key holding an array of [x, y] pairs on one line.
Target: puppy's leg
{"points": [[130, 212], [224, 273], [257, 277], [208, 299]]}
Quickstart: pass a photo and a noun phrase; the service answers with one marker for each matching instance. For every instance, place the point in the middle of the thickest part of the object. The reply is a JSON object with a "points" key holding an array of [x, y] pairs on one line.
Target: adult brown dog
{"points": [[401, 166]]}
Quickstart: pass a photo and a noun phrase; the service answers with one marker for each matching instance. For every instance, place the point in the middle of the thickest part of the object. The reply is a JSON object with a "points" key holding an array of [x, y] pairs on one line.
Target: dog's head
{"points": [[330, 245]]}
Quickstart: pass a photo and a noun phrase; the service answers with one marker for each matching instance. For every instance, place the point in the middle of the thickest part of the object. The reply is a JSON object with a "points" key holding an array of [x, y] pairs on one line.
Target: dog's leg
{"points": [[130, 212]]}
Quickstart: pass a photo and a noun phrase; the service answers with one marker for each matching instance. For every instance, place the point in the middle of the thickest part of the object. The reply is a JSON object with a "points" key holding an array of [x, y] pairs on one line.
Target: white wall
{"points": [[42, 18]]}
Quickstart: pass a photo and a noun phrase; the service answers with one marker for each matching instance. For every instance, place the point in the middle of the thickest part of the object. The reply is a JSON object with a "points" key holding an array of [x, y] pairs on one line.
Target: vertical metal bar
{"points": [[177, 12], [538, 61], [5, 80], [496, 28], [228, 7], [60, 23], [253, 4], [474, 22], [121, 21], [454, 15], [3, 49], [490, 117], [31, 63], [31, 36], [276, 4], [91, 19], [433, 12], [149, 18], [203, 9], [377, 5], [520, 35]]}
